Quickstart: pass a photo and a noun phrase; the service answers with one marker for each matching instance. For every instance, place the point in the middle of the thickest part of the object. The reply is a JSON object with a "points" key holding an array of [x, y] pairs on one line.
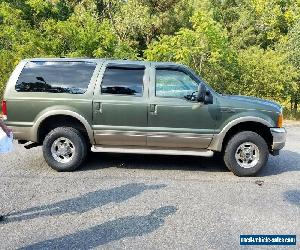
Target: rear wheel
{"points": [[64, 149], [246, 153]]}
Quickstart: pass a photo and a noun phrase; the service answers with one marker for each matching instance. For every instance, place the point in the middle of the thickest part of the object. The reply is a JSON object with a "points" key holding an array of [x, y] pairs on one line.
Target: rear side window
{"points": [[123, 81], [56, 77]]}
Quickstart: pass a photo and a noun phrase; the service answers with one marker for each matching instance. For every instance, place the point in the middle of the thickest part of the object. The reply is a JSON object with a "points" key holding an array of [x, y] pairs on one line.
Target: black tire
{"points": [[78, 144], [232, 148]]}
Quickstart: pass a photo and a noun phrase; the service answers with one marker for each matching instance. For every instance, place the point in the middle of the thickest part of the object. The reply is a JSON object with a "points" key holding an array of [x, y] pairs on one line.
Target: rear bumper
{"points": [[279, 138]]}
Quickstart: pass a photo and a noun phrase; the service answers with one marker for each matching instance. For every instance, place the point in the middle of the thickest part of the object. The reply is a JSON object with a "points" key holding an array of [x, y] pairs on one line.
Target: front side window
{"points": [[56, 77], [123, 81], [174, 83]]}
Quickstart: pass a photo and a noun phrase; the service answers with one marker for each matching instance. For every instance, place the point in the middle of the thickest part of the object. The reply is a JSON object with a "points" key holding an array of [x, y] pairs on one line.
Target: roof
{"points": [[62, 59]]}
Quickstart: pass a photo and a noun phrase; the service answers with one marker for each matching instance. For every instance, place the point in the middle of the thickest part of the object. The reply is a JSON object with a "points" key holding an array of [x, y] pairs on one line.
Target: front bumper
{"points": [[279, 138]]}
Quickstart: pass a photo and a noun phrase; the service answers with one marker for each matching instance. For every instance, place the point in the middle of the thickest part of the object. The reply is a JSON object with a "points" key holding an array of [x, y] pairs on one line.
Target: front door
{"points": [[174, 119], [120, 104]]}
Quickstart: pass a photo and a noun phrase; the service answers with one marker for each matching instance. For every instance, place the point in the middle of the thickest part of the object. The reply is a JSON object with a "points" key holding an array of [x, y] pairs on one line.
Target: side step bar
{"points": [[151, 150]]}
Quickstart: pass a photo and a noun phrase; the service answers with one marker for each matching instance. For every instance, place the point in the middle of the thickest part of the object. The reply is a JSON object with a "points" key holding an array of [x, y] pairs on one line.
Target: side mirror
{"points": [[209, 99], [204, 95], [201, 93]]}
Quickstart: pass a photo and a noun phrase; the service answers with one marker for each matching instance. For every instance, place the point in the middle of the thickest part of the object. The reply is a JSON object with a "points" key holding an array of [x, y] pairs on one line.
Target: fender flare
{"points": [[217, 141], [73, 114]]}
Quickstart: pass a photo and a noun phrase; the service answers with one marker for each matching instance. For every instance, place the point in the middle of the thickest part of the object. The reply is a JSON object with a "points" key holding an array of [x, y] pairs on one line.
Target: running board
{"points": [[151, 150]]}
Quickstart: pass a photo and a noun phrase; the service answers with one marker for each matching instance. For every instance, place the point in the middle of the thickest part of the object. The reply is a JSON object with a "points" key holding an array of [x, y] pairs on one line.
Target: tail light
{"points": [[4, 108], [280, 121]]}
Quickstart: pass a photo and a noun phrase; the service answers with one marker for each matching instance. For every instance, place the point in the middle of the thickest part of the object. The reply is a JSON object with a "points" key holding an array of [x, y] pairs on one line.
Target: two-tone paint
{"points": [[139, 123]]}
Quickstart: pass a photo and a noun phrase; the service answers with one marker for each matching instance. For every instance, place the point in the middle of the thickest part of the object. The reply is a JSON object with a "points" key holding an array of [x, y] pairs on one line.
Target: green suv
{"points": [[71, 106]]}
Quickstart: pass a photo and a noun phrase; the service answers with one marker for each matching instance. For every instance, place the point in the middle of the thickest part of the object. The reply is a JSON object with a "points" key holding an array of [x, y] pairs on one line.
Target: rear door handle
{"points": [[98, 107], [153, 109]]}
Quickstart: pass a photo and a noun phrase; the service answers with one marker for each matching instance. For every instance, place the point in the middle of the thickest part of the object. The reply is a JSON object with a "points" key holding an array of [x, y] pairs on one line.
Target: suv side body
{"points": [[139, 107]]}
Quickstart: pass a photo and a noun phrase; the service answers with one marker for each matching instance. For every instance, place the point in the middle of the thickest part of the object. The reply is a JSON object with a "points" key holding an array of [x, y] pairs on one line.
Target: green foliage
{"points": [[205, 48], [255, 22], [249, 47], [82, 34], [16, 41], [290, 45], [151, 19], [264, 74]]}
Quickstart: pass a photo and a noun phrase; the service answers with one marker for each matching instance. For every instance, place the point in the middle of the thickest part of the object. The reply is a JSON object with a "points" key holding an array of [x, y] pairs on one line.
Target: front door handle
{"points": [[98, 107], [153, 109]]}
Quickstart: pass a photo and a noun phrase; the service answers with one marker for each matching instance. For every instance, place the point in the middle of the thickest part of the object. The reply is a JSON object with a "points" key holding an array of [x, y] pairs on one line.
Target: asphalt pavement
{"points": [[118, 201]]}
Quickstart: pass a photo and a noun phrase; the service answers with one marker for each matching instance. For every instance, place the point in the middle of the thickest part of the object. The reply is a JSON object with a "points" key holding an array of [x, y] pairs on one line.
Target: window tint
{"points": [[56, 77], [123, 81], [174, 83]]}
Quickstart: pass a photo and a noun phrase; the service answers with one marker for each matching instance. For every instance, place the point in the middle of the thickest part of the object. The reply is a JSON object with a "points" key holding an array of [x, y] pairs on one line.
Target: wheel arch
{"points": [[254, 124], [56, 118]]}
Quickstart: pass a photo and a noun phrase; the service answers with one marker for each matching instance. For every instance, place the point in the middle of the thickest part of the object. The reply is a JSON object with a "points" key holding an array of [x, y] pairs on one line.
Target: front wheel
{"points": [[246, 153], [64, 149]]}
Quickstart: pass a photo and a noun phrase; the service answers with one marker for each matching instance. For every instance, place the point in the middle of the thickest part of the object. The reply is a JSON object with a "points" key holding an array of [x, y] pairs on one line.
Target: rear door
{"points": [[120, 104]]}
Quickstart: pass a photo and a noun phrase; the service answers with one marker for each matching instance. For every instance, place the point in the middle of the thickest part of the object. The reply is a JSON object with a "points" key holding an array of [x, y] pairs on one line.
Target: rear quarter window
{"points": [[56, 77]]}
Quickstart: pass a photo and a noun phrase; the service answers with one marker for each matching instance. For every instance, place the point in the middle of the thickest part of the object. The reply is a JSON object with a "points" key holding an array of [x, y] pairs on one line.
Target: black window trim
{"points": [[125, 66]]}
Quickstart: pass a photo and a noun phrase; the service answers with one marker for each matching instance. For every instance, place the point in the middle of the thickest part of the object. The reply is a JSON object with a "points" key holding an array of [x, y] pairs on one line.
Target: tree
{"points": [[83, 35], [265, 74], [205, 48], [290, 45], [151, 19], [17, 41], [255, 22]]}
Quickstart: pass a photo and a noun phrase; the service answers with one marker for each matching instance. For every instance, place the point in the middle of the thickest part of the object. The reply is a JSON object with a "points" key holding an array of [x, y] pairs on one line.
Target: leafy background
{"points": [[249, 47]]}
